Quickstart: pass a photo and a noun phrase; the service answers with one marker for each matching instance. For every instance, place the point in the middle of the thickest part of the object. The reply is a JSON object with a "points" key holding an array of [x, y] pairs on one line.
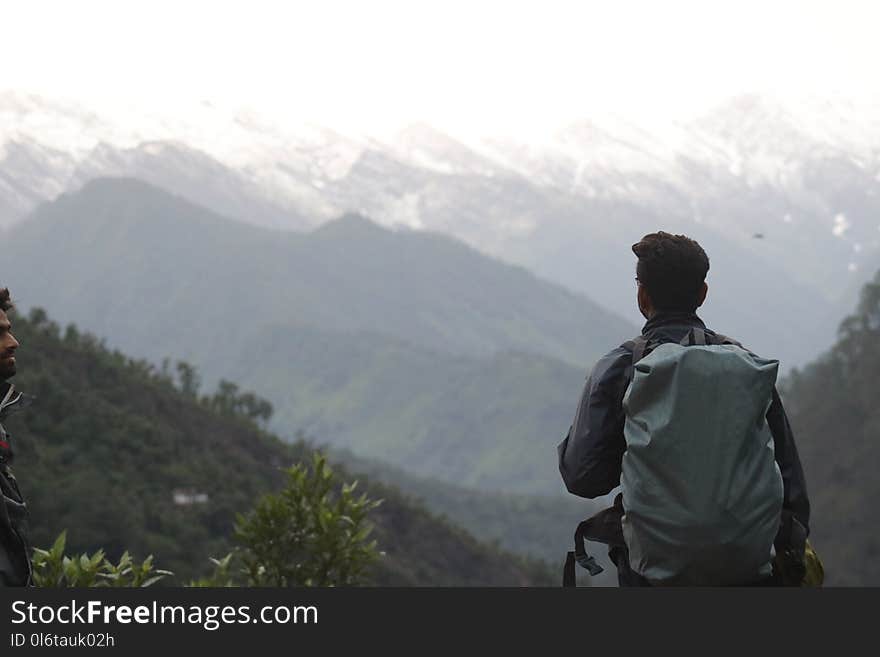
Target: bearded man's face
{"points": [[8, 347]]}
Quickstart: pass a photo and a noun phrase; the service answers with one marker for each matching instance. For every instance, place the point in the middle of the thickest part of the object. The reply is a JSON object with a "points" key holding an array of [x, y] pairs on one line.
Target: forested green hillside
{"points": [[540, 526], [490, 423], [109, 441], [834, 411]]}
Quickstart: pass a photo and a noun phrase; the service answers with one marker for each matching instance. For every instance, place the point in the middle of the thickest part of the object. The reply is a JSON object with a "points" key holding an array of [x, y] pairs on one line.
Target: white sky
{"points": [[468, 66]]}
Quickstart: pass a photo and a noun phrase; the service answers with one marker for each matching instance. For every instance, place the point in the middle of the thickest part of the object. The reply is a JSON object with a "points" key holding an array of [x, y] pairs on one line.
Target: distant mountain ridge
{"points": [[567, 207], [350, 275], [408, 347]]}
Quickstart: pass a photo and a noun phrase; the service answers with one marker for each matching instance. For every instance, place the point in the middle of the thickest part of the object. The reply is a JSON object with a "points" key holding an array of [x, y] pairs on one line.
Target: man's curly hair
{"points": [[5, 300], [673, 269]]}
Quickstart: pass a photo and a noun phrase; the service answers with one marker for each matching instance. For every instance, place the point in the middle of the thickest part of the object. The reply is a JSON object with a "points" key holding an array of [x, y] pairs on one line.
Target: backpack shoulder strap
{"points": [[723, 339], [699, 336], [695, 336], [638, 346]]}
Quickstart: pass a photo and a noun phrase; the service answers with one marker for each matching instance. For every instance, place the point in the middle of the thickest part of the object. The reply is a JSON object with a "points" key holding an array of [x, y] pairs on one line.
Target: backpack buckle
{"points": [[589, 563]]}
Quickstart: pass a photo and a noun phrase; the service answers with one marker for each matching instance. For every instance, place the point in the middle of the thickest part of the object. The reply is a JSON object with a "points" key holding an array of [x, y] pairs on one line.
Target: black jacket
{"points": [[590, 456], [15, 563]]}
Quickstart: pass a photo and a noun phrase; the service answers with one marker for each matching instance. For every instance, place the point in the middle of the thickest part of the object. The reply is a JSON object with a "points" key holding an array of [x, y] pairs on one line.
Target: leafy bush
{"points": [[222, 575], [308, 534], [52, 568]]}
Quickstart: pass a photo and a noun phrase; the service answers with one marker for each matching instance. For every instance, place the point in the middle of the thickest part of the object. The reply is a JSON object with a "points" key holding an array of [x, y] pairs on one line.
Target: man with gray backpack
{"points": [[689, 423]]}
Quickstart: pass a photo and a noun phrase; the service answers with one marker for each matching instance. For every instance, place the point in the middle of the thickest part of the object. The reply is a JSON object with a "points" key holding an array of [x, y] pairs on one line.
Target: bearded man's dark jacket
{"points": [[15, 563]]}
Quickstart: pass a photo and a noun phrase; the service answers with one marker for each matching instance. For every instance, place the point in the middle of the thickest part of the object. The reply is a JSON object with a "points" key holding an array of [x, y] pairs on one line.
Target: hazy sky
{"points": [[466, 65]]}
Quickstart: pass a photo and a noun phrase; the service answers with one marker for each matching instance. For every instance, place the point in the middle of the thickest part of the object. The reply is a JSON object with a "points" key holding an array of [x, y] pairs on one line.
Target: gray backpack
{"points": [[702, 493]]}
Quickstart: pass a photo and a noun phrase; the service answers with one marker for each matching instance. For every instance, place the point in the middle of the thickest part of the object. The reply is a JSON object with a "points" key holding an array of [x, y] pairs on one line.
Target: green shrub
{"points": [[312, 533], [52, 568], [308, 534]]}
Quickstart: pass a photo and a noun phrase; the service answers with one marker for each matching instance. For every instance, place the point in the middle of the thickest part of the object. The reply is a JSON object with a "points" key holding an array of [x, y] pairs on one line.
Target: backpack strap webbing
{"points": [[695, 336], [701, 337], [637, 347], [568, 577], [579, 556], [723, 339], [640, 346]]}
